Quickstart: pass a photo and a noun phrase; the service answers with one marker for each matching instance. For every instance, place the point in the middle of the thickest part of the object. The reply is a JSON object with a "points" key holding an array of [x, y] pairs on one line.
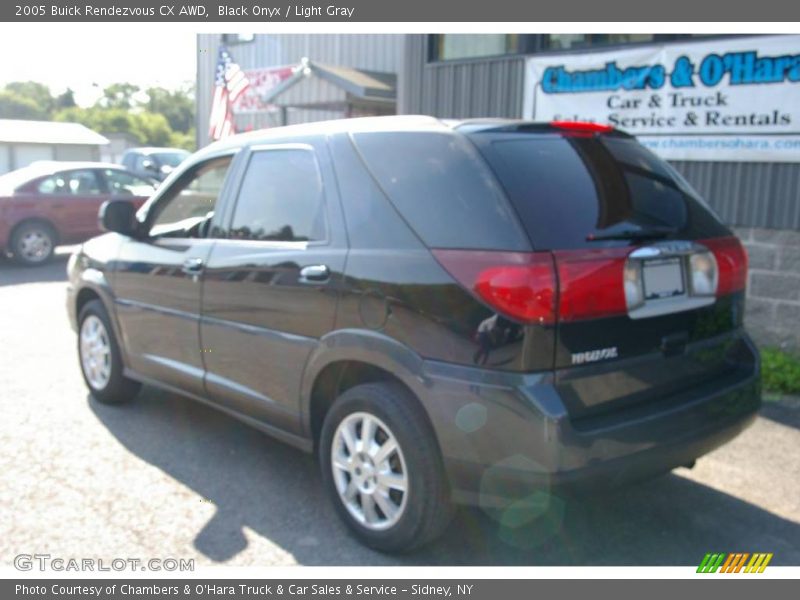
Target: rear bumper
{"points": [[503, 442]]}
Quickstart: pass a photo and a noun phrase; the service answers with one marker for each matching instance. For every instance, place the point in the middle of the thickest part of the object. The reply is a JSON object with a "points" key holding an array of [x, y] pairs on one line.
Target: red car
{"points": [[51, 203]]}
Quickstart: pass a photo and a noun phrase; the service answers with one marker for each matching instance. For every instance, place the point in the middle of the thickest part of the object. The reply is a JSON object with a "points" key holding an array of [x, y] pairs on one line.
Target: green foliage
{"points": [[183, 140], [14, 106], [162, 118], [780, 371], [118, 95], [66, 100], [177, 106], [153, 127], [37, 93]]}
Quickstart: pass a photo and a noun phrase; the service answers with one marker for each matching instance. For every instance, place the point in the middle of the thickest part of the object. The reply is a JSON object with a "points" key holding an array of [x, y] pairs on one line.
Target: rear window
{"points": [[443, 189], [568, 188]]}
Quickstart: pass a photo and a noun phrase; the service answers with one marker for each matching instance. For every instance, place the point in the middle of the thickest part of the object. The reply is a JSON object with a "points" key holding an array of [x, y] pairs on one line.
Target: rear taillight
{"points": [[731, 260], [591, 283], [522, 285], [582, 126], [574, 285]]}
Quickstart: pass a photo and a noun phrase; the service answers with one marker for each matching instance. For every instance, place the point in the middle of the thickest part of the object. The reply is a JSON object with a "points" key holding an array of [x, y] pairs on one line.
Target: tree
{"points": [[38, 93], [118, 95], [177, 106], [162, 118], [152, 128], [184, 140], [148, 128], [14, 106], [66, 100]]}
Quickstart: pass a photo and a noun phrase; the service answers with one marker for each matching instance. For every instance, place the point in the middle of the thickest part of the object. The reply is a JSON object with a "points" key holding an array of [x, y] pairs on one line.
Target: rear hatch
{"points": [[650, 283]]}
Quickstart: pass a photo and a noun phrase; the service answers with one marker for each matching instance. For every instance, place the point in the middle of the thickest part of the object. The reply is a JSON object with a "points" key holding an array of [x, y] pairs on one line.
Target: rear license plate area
{"points": [[663, 278]]}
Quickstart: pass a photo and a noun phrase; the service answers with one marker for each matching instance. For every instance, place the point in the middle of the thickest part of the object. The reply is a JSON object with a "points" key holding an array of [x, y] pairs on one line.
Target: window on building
{"points": [[568, 41], [452, 46], [280, 198]]}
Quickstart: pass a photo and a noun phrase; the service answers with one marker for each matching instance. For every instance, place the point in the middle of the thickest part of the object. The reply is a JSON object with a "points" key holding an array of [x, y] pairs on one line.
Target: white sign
{"points": [[728, 100], [261, 82]]}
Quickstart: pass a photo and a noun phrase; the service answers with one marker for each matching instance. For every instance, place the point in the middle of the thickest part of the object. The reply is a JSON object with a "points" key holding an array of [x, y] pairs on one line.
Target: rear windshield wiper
{"points": [[630, 234]]}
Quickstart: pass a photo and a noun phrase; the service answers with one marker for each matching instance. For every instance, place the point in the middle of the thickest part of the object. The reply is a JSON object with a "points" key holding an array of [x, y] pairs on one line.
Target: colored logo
{"points": [[735, 562]]}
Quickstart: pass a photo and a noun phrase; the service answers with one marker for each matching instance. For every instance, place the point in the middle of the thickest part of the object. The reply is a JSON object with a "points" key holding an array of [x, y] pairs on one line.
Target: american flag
{"points": [[229, 83]]}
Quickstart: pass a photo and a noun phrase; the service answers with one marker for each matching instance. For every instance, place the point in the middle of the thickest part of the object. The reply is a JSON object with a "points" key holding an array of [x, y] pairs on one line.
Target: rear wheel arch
{"points": [[341, 375]]}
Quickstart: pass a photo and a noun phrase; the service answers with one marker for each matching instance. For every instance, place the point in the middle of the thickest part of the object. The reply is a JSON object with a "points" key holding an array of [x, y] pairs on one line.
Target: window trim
{"points": [[152, 207], [236, 194]]}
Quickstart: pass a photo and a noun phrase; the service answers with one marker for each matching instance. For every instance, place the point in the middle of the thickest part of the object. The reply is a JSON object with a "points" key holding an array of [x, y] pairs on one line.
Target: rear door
{"points": [[271, 284]]}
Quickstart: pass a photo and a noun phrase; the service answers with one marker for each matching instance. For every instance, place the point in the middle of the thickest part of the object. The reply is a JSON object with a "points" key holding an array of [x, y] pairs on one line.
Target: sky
{"points": [[62, 58]]}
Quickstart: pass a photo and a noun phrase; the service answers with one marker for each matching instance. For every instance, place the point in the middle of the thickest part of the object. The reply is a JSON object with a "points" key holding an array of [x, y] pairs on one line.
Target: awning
{"points": [[333, 87]]}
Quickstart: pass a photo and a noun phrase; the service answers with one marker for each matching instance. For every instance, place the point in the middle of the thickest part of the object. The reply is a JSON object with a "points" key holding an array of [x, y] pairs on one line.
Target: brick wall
{"points": [[773, 287]]}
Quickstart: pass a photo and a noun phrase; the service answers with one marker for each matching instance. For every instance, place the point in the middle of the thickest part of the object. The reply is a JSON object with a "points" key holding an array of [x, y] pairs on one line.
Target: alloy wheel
{"points": [[369, 471], [95, 348]]}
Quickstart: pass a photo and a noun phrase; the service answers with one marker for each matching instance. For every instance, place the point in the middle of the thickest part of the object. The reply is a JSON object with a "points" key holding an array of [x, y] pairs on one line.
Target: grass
{"points": [[780, 371]]}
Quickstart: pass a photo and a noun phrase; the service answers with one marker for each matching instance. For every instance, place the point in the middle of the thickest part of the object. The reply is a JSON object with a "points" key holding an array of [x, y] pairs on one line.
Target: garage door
{"points": [[28, 153], [69, 152], [5, 159]]}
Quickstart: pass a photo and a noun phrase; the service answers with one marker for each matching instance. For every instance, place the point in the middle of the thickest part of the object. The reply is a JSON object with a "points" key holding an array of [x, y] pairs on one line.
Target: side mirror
{"points": [[118, 216]]}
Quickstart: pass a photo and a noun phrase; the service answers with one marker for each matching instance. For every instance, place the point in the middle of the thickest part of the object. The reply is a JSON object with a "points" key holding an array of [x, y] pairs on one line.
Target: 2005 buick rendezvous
{"points": [[443, 312]]}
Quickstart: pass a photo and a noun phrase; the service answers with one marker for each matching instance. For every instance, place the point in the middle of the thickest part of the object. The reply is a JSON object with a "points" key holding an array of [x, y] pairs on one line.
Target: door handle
{"points": [[314, 274], [192, 266]]}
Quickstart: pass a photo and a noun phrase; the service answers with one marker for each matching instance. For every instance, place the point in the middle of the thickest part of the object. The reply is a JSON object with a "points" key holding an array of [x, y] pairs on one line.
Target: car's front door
{"points": [[270, 286], [72, 199], [158, 278]]}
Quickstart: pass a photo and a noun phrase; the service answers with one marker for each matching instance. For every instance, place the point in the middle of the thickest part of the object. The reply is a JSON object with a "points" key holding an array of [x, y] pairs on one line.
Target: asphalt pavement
{"points": [[167, 477]]}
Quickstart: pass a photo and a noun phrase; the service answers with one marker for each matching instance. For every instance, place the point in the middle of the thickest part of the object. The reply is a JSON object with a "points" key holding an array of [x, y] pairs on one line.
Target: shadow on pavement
{"points": [[275, 490], [12, 273], [785, 411]]}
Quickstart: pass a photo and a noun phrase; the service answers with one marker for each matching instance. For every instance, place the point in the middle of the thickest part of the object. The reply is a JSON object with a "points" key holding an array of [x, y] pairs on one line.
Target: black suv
{"points": [[444, 312]]}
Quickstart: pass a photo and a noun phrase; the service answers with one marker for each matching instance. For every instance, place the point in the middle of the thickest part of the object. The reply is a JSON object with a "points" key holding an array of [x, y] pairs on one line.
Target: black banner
{"points": [[272, 11], [397, 589]]}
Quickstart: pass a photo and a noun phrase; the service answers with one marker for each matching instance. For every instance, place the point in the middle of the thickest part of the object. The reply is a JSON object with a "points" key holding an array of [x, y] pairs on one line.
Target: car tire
{"points": [[33, 243], [99, 357], [368, 493]]}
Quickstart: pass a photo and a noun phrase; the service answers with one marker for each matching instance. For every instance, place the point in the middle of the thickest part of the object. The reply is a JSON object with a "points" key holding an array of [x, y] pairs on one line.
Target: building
{"points": [[24, 142], [118, 143], [724, 110], [295, 78]]}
